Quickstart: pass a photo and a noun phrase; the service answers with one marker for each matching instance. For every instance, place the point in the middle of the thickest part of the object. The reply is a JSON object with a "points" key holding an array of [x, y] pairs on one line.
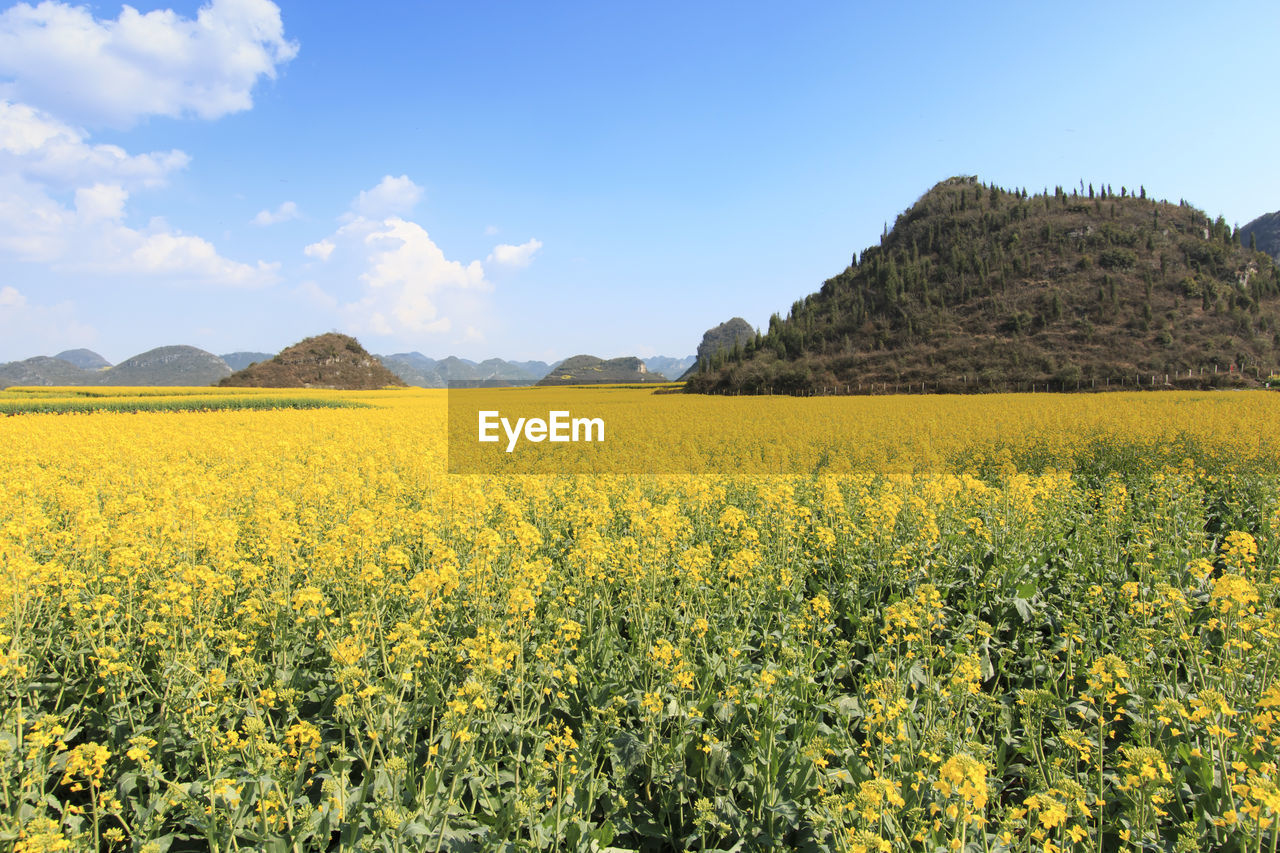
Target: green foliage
{"points": [[977, 288], [168, 404], [648, 671], [330, 360]]}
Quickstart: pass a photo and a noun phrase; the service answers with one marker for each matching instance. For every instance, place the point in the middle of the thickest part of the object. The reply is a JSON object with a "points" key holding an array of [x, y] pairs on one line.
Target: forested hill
{"points": [[978, 288]]}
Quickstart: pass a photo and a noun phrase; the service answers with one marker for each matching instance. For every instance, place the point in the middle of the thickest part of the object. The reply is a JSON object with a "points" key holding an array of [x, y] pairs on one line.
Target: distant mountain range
{"points": [[241, 360], [669, 367], [185, 365], [174, 365], [43, 370], [417, 369], [424, 372]]}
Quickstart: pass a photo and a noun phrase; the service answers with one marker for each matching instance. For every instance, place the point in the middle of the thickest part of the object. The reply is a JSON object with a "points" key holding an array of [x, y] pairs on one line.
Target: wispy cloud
{"points": [[514, 256], [286, 211], [321, 249], [391, 197]]}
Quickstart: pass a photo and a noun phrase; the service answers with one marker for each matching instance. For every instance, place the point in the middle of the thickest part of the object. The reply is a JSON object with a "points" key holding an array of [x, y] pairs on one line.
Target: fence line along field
{"points": [[1009, 623]]}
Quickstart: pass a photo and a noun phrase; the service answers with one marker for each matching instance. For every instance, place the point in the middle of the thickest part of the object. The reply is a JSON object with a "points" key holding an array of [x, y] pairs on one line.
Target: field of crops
{"points": [[1004, 623], [80, 401]]}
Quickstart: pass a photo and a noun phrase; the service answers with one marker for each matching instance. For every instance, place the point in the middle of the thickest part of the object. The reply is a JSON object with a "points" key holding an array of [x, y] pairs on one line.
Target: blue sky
{"points": [[538, 180]]}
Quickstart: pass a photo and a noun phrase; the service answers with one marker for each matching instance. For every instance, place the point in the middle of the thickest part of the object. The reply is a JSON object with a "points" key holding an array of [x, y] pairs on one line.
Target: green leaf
{"points": [[628, 751], [1025, 610], [604, 833]]}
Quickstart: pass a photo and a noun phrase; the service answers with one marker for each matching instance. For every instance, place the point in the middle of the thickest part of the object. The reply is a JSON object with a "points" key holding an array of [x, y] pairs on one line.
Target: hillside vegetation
{"points": [[978, 288], [988, 623], [172, 365], [325, 361], [591, 370], [719, 340]]}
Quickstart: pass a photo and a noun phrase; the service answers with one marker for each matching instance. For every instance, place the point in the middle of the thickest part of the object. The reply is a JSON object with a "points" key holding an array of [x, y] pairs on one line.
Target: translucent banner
{"points": [[629, 430]]}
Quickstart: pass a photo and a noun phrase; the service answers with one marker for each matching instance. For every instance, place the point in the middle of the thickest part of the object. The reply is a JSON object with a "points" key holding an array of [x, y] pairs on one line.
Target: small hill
{"points": [[719, 342], [325, 361], [1264, 234], [43, 370], [174, 365], [978, 288], [241, 360], [85, 359], [668, 366], [590, 370]]}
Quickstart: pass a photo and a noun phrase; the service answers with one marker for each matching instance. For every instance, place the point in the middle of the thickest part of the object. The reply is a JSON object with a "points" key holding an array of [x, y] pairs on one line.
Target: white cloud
{"points": [[39, 147], [43, 159], [27, 328], [391, 197], [33, 227], [100, 201], [63, 197], [115, 72], [91, 237], [408, 287], [321, 249], [406, 273], [514, 256], [11, 298], [316, 295], [490, 230], [182, 257], [286, 211]]}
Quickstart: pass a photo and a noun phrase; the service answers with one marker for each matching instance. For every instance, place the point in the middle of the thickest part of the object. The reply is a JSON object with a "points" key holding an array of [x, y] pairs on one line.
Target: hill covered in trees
{"points": [[325, 361], [719, 342], [172, 365], [978, 288], [591, 370]]}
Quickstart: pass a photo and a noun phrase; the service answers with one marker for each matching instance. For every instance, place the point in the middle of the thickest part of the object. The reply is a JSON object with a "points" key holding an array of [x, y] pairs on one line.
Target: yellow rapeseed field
{"points": [[971, 623]]}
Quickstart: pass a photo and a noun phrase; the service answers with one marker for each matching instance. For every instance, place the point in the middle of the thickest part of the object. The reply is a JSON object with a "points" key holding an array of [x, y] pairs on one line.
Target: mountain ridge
{"points": [[169, 365], [717, 343], [330, 360], [978, 288], [85, 359], [1263, 233], [592, 370]]}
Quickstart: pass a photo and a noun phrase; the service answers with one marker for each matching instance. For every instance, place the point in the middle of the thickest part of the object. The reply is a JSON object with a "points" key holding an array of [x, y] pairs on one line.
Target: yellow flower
{"points": [[965, 776]]}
